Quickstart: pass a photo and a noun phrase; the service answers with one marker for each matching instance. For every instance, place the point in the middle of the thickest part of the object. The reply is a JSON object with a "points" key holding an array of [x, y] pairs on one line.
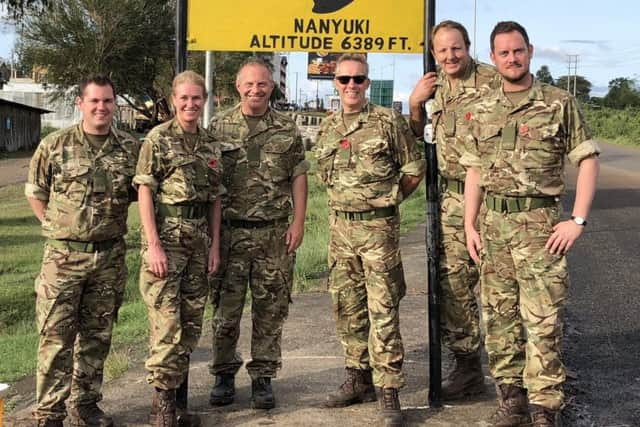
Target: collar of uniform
{"points": [[534, 94], [81, 136], [175, 127], [362, 118], [264, 124]]}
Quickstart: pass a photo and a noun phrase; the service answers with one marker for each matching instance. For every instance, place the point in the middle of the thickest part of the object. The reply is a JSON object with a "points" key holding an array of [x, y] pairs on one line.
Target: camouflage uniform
{"points": [[83, 276], [458, 273], [361, 167], [260, 166], [520, 151], [184, 173]]}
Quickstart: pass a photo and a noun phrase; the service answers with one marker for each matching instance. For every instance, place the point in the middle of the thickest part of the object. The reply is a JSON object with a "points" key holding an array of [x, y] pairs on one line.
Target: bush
{"points": [[617, 126]]}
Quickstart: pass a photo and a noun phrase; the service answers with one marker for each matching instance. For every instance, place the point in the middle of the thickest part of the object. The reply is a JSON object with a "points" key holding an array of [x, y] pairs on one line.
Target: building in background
{"points": [[381, 92], [19, 126]]}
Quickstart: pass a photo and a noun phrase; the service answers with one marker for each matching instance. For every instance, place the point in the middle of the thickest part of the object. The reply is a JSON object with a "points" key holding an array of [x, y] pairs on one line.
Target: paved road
{"points": [[603, 345]]}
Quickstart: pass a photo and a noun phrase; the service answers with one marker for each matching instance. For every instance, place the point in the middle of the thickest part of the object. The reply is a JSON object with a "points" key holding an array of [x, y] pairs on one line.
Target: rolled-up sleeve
{"points": [[145, 169], [39, 177]]}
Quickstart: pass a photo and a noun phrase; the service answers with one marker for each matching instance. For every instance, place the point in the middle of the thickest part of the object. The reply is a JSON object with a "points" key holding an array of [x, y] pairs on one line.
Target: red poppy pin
{"points": [[344, 143], [213, 163], [524, 129], [467, 116]]}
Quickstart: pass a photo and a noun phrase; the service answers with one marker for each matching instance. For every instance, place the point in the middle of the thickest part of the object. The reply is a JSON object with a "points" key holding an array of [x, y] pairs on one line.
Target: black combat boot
{"points": [[465, 379], [513, 409], [390, 410], [544, 417], [357, 388], [46, 422], [89, 415], [224, 390], [262, 393], [165, 401]]}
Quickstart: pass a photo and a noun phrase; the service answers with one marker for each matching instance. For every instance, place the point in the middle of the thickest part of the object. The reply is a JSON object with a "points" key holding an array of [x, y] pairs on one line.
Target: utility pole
{"points": [[572, 59]]}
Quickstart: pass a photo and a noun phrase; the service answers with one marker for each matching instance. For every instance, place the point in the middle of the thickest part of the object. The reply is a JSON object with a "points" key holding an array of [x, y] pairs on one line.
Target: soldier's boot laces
{"points": [[165, 401], [465, 379], [544, 417], [390, 410], [262, 393], [223, 391], [513, 408], [89, 415], [357, 388]]}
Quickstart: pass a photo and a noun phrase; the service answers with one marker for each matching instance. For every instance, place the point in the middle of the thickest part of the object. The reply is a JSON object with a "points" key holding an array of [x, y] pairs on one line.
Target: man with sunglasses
{"points": [[460, 82], [369, 161]]}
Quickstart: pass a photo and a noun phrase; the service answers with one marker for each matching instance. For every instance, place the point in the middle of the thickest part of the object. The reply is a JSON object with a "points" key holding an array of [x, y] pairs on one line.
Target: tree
{"points": [[129, 40], [583, 86], [544, 75], [623, 93], [16, 8]]}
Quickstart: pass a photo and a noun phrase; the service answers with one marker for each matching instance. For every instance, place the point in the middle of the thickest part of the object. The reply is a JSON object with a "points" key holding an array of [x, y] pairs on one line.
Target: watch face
{"points": [[579, 220]]}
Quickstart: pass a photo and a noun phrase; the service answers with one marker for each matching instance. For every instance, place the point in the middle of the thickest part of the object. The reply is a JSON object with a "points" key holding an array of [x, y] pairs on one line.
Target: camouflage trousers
{"points": [[366, 283], [257, 259], [523, 295], [77, 299], [459, 313], [175, 303]]}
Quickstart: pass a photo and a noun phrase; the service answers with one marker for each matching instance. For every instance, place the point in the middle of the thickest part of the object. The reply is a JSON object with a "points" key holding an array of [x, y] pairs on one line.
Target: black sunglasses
{"points": [[356, 79]]}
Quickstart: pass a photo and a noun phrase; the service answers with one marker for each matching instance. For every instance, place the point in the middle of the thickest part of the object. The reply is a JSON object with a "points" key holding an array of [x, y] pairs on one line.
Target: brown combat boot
{"points": [[544, 417], [465, 379], [390, 410], [513, 409], [357, 388], [165, 408], [89, 415]]}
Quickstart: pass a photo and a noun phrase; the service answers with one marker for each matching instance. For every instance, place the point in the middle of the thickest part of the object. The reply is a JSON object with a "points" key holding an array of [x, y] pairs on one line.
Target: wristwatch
{"points": [[579, 220]]}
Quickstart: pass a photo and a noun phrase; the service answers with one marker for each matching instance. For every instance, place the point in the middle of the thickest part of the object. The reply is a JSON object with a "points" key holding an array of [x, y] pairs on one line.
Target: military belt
{"points": [[368, 215], [518, 204], [78, 246], [241, 223], [451, 184], [190, 211]]}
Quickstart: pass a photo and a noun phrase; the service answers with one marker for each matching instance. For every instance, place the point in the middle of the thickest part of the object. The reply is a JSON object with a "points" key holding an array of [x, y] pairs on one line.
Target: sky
{"points": [[604, 35]]}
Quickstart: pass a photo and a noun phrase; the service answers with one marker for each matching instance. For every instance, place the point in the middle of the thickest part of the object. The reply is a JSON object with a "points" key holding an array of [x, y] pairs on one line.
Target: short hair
{"points": [[189, 76], [356, 57], [504, 27], [256, 62], [450, 25], [96, 79]]}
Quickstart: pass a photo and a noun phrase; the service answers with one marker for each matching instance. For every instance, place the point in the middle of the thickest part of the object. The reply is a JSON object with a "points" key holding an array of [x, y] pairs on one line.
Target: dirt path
{"points": [[14, 170]]}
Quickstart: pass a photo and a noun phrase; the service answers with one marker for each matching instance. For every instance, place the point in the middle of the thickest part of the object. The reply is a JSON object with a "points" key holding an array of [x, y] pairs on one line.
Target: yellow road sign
{"points": [[306, 25]]}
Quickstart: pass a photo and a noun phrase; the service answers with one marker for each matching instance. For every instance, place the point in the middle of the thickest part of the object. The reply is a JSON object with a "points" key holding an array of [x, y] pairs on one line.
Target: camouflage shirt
{"points": [[180, 168], [259, 165], [520, 150], [87, 191], [448, 114], [362, 165]]}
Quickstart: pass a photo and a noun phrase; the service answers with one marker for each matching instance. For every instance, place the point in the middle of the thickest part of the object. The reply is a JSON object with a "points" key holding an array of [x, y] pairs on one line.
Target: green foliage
{"points": [[617, 126], [583, 86], [623, 93], [129, 40], [544, 75], [46, 130]]}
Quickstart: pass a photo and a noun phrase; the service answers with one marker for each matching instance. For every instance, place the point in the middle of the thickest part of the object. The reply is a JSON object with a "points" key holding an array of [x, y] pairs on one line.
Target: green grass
{"points": [[620, 127], [21, 246]]}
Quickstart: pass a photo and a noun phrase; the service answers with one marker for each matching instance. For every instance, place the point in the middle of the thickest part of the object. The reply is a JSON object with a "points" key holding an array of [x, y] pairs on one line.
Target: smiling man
{"points": [[266, 180], [460, 83], [515, 153], [79, 188], [370, 162]]}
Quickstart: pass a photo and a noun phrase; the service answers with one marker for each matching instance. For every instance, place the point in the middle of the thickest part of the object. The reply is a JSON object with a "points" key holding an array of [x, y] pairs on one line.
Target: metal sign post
{"points": [[433, 231]]}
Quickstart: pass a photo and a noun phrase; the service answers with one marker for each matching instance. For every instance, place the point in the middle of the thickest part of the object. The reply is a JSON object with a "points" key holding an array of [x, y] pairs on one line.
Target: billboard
{"points": [[322, 65], [306, 25]]}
